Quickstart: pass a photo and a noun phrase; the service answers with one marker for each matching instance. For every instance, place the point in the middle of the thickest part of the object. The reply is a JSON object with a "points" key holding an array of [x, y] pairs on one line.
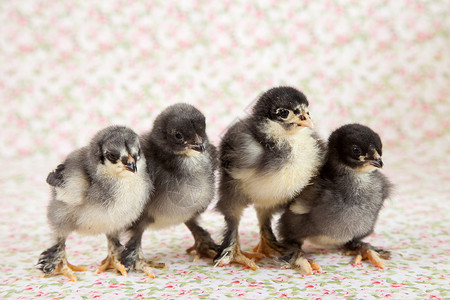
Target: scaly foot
{"points": [[233, 254], [146, 266], [66, 269], [111, 262], [298, 261], [53, 260], [133, 258], [363, 251], [203, 247], [268, 248]]}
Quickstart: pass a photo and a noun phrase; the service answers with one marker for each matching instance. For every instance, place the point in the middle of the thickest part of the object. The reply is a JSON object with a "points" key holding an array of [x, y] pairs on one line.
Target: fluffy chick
{"points": [[341, 205], [100, 188], [266, 159], [181, 164]]}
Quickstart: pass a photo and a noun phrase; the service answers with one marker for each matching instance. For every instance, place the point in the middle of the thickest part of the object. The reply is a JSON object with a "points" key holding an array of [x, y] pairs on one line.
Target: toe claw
{"points": [[148, 271], [315, 266], [358, 259], [375, 259]]}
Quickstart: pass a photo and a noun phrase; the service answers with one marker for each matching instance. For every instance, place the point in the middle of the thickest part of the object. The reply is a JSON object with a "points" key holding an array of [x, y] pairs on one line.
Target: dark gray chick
{"points": [[181, 163], [341, 205], [266, 159], [100, 188]]}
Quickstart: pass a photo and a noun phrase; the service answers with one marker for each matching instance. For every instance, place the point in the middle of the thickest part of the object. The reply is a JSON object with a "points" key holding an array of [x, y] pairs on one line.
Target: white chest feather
{"points": [[129, 194], [276, 187], [74, 189]]}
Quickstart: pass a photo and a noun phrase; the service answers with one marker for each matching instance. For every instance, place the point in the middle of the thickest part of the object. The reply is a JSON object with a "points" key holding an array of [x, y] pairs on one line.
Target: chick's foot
{"points": [[233, 254], [111, 262], [133, 259], [203, 246], [299, 262], [365, 251], [53, 260], [269, 248], [66, 269], [146, 266]]}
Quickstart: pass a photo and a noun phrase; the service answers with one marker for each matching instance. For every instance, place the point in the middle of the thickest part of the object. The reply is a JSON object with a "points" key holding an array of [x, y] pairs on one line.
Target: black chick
{"points": [[266, 159], [181, 163], [341, 205]]}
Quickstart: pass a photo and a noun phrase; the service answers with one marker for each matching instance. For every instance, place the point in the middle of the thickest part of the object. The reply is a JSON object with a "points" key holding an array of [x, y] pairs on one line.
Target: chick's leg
{"points": [[53, 260], [204, 245], [294, 258], [230, 250], [268, 244], [112, 261], [133, 258], [364, 251]]}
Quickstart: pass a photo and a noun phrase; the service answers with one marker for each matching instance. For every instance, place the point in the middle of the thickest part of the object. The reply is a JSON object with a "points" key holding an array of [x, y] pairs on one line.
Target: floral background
{"points": [[70, 68]]}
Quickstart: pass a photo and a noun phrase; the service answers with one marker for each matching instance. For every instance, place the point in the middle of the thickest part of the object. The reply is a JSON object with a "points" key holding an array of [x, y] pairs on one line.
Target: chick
{"points": [[266, 159], [100, 188], [182, 169], [341, 205]]}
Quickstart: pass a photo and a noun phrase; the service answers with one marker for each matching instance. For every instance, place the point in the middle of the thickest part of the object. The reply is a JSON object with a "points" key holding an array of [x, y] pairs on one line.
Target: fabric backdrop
{"points": [[70, 68]]}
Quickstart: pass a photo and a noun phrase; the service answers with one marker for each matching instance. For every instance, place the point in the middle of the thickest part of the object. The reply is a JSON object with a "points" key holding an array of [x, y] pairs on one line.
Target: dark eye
{"points": [[284, 113], [356, 150], [111, 156], [178, 135]]}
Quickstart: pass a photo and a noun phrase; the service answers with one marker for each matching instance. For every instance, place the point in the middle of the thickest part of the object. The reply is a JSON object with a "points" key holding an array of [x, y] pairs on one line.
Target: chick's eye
{"points": [[178, 135], [356, 150], [284, 113], [111, 157]]}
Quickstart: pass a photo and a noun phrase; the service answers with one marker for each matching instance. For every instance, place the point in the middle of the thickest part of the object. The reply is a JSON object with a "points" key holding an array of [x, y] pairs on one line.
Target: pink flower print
{"points": [[256, 284], [398, 285], [284, 294]]}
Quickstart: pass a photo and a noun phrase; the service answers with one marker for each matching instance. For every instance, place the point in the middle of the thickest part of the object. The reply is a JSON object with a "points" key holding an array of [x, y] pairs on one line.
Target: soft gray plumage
{"points": [[341, 205], [100, 188], [266, 159], [181, 163]]}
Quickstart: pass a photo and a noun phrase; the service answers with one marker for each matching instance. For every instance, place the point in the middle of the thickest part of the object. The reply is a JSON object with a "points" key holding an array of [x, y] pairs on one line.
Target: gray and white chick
{"points": [[99, 189], [342, 204], [181, 163], [266, 159]]}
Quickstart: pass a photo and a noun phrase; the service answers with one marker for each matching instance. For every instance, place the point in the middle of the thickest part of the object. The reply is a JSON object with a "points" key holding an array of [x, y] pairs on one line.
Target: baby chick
{"points": [[266, 159], [181, 164], [341, 205], [100, 188]]}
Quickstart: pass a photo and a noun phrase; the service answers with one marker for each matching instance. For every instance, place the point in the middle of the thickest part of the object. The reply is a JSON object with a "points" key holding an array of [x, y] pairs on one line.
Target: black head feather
{"points": [[350, 142], [272, 103], [108, 143], [178, 127]]}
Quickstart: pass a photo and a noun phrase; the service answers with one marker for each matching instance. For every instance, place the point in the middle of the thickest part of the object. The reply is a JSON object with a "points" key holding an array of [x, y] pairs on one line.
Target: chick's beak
{"points": [[304, 120], [377, 163], [131, 166], [198, 147]]}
